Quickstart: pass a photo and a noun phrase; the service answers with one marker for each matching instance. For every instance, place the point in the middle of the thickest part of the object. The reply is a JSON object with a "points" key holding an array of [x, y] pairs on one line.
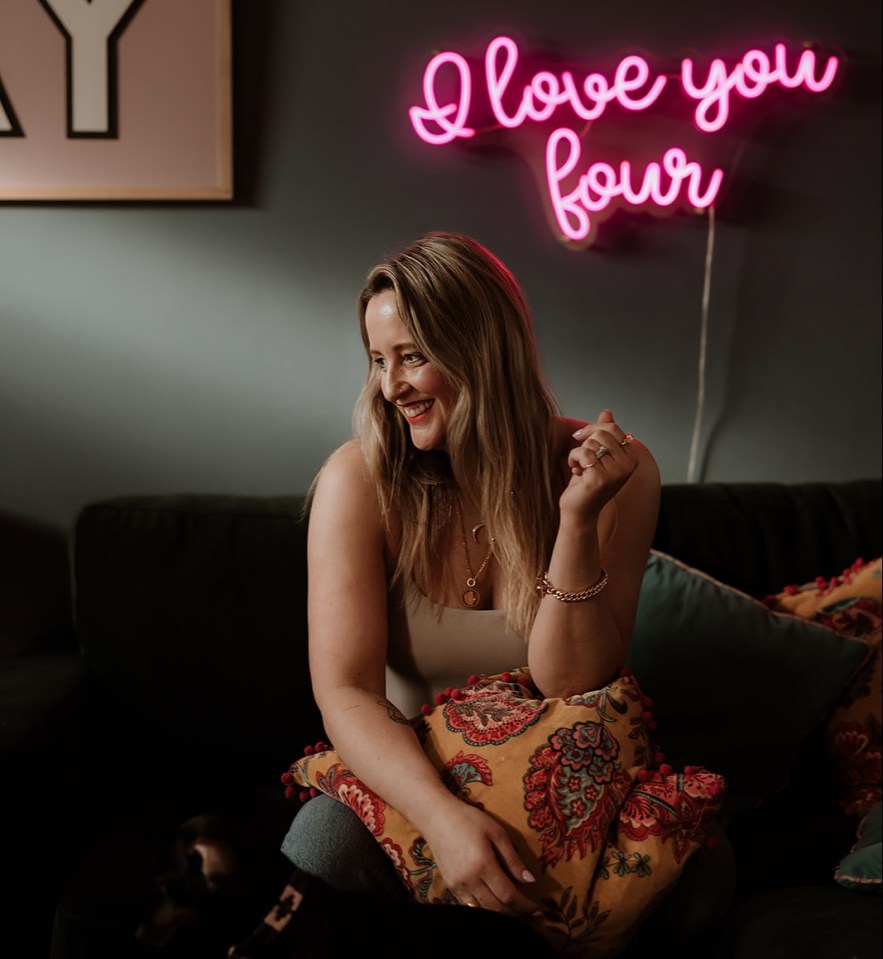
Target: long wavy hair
{"points": [[467, 314]]}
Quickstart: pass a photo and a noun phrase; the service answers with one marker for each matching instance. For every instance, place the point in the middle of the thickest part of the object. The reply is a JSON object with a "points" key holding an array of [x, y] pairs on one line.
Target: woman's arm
{"points": [[349, 562], [608, 514]]}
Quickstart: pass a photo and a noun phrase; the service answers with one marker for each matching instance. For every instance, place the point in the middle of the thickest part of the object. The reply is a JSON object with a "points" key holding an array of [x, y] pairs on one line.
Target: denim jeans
{"points": [[329, 841]]}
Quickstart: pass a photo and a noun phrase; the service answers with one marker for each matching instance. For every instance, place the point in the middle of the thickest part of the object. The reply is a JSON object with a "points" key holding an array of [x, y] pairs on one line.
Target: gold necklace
{"points": [[471, 595]]}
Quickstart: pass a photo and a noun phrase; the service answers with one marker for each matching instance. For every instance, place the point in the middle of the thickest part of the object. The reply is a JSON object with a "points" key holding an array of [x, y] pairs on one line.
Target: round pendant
{"points": [[471, 597]]}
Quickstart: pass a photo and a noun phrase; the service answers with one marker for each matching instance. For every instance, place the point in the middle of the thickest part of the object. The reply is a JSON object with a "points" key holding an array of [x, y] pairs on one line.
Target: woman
{"points": [[466, 528]]}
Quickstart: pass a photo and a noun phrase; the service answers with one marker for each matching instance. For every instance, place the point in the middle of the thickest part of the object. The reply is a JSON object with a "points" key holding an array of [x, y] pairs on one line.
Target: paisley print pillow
{"points": [[851, 604], [599, 818]]}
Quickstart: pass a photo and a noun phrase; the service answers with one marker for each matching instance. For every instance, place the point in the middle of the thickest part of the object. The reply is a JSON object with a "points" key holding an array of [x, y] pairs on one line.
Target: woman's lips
{"points": [[416, 411]]}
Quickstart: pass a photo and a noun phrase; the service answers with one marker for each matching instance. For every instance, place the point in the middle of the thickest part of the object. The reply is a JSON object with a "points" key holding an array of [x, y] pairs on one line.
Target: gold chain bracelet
{"points": [[545, 588]]}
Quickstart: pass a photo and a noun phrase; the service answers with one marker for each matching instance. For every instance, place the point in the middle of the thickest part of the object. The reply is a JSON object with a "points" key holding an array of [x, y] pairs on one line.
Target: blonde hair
{"points": [[467, 314]]}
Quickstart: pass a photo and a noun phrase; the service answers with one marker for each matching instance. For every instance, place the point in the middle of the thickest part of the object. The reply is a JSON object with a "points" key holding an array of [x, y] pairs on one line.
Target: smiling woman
{"points": [[408, 379], [456, 430]]}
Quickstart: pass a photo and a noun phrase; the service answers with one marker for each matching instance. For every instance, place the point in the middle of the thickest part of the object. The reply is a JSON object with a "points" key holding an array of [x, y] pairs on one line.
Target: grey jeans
{"points": [[328, 840]]}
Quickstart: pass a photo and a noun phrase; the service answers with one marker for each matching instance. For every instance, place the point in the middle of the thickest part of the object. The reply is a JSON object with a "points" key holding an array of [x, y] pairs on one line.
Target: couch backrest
{"points": [[760, 537], [191, 609], [191, 614]]}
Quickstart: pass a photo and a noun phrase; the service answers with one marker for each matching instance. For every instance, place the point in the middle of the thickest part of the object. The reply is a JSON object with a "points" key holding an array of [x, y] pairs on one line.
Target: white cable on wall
{"points": [[703, 348]]}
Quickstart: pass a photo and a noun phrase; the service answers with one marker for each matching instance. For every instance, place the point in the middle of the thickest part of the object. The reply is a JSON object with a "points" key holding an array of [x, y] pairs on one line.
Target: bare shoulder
{"points": [[636, 505], [563, 428], [345, 491], [646, 460], [345, 467], [645, 478], [346, 456], [634, 511]]}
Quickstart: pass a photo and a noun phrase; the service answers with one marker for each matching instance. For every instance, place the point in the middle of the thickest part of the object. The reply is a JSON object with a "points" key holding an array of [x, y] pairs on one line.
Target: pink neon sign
{"points": [[662, 183]]}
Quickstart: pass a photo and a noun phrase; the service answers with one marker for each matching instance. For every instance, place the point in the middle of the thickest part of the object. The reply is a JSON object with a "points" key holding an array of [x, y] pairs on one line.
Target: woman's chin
{"points": [[426, 441]]}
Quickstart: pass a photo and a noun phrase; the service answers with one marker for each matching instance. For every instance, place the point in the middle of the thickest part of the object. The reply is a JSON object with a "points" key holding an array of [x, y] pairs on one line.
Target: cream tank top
{"points": [[433, 647]]}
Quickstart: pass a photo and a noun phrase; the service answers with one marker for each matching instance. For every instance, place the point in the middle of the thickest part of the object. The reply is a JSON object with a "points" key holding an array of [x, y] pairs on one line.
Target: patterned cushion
{"points": [[862, 867], [850, 603], [599, 818], [738, 687]]}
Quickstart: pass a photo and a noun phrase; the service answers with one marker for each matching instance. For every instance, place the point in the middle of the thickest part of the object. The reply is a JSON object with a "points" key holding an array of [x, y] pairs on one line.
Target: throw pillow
{"points": [[736, 686], [862, 867], [850, 603], [600, 820]]}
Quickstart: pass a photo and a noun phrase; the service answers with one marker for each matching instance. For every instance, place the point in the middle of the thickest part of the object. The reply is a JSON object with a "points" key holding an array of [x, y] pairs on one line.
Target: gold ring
{"points": [[626, 439], [471, 903], [601, 451]]}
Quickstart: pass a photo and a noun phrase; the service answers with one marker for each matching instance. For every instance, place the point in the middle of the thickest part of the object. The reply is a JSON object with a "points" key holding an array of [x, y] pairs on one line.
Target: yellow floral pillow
{"points": [[599, 818], [850, 603]]}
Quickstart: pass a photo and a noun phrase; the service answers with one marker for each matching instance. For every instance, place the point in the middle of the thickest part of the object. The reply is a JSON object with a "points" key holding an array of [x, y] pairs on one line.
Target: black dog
{"points": [[311, 921], [223, 890], [213, 882]]}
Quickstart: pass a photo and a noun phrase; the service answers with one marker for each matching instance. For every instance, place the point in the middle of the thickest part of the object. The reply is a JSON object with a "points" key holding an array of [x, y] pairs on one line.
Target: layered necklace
{"points": [[471, 595]]}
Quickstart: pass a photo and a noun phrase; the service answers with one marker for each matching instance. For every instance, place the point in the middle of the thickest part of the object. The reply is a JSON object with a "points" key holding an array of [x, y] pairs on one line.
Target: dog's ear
{"points": [[219, 864]]}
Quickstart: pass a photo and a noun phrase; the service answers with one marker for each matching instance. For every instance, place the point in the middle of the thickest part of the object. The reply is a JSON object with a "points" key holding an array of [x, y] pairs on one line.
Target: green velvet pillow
{"points": [[861, 868], [736, 687]]}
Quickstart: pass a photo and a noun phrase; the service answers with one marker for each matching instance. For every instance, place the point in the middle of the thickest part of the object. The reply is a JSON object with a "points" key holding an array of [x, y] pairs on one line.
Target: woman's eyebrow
{"points": [[397, 348]]}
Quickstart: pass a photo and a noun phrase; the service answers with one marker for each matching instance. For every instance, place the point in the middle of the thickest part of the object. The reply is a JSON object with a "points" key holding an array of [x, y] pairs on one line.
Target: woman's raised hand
{"points": [[600, 463]]}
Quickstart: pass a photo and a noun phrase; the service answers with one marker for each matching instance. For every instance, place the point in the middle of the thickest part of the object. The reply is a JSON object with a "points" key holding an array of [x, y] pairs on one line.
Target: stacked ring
{"points": [[601, 451]]}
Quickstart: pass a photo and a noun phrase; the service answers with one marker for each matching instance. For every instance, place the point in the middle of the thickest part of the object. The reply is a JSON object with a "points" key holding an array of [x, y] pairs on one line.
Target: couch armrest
{"points": [[40, 702]]}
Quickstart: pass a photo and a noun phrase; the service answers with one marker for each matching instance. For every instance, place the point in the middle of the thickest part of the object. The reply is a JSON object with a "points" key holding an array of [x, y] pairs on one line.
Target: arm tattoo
{"points": [[393, 712]]}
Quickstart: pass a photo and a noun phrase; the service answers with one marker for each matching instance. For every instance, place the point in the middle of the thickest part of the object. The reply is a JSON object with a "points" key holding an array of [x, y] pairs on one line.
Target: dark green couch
{"points": [[184, 683]]}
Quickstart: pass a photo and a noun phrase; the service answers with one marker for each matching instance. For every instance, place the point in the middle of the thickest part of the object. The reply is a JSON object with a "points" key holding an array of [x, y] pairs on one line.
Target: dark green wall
{"points": [[213, 347]]}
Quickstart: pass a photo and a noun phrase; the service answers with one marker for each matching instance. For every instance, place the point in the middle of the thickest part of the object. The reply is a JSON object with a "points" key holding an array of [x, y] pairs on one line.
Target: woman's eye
{"points": [[379, 362], [413, 357]]}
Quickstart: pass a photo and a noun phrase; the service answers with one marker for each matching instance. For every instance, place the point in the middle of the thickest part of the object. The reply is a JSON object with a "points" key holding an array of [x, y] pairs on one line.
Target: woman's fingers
{"points": [[507, 898], [598, 445], [502, 886], [596, 440], [500, 898], [481, 864], [499, 894], [498, 889]]}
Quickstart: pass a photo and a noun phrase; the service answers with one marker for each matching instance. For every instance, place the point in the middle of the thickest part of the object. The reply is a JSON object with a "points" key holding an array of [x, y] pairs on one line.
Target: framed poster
{"points": [[115, 100]]}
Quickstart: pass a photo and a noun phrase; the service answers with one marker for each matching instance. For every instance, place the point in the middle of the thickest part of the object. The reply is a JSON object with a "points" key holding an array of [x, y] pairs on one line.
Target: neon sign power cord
{"points": [[703, 349]]}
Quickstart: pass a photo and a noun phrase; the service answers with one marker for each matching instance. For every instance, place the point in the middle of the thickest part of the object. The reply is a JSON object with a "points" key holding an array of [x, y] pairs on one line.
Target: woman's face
{"points": [[407, 378]]}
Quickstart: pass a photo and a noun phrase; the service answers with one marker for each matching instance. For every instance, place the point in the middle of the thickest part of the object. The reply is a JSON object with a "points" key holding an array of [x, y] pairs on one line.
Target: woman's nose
{"points": [[393, 387]]}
